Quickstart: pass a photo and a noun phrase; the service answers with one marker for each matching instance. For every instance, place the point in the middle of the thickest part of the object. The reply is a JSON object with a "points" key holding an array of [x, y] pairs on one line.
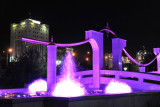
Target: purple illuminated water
{"points": [[37, 86], [67, 85], [116, 87]]}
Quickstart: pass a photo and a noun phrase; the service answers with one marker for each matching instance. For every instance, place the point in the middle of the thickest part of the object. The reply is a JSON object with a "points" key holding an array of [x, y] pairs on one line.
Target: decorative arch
{"points": [[93, 37]]}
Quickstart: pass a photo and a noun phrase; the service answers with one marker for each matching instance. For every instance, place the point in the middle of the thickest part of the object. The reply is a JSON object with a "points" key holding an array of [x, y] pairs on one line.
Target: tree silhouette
{"points": [[30, 66]]}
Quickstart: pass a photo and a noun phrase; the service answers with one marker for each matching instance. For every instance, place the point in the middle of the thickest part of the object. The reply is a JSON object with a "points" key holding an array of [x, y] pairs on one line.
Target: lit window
{"points": [[14, 25], [23, 23]]}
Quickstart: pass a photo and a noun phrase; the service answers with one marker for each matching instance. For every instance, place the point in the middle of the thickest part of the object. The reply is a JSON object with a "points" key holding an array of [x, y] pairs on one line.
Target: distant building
{"points": [[141, 56], [126, 60], [28, 28], [69, 49], [108, 61], [144, 56], [61, 53]]}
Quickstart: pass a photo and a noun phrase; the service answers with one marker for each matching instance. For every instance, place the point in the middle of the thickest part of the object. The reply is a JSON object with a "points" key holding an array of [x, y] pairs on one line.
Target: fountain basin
{"points": [[145, 99]]}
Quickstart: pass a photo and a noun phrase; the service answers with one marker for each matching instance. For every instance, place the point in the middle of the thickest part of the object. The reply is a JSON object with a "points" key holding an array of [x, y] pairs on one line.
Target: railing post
{"points": [[156, 52], [117, 47], [97, 47], [141, 69], [140, 80], [51, 66]]}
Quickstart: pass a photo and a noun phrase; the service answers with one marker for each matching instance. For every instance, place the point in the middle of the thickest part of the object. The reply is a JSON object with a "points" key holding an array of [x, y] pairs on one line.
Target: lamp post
{"points": [[10, 50]]}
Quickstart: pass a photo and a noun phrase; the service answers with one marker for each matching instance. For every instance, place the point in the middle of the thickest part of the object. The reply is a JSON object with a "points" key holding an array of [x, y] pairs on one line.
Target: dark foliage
{"points": [[29, 67]]}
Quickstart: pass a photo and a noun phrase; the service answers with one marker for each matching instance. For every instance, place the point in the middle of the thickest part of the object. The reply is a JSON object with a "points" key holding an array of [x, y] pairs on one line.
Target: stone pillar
{"points": [[156, 52], [97, 47], [51, 66], [142, 69], [117, 48]]}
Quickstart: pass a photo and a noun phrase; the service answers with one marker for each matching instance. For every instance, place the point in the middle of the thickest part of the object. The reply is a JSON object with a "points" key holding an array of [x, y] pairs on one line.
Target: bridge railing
{"points": [[86, 77], [137, 80]]}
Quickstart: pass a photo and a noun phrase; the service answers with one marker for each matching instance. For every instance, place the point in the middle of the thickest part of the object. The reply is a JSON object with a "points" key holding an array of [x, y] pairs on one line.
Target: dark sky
{"points": [[137, 21]]}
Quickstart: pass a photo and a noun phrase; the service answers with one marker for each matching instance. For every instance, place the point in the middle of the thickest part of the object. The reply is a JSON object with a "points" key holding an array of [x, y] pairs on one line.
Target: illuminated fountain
{"points": [[38, 85], [116, 87], [67, 85], [96, 40]]}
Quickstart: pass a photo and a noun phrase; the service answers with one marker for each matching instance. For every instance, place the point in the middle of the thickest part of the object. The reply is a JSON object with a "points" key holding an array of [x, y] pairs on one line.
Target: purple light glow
{"points": [[51, 66], [35, 41], [37, 86], [68, 86], [116, 87], [107, 30], [96, 41]]}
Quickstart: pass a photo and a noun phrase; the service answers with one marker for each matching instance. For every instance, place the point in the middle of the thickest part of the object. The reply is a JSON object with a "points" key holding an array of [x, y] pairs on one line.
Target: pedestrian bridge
{"points": [[137, 80], [94, 78]]}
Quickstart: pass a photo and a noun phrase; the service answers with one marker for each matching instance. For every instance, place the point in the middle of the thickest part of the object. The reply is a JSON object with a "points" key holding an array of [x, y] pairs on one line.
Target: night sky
{"points": [[137, 21]]}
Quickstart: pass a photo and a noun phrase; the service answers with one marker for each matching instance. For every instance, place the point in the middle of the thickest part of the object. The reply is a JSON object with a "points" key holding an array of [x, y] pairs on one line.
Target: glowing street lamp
{"points": [[87, 59], [73, 54], [106, 57], [10, 50], [125, 68], [88, 52]]}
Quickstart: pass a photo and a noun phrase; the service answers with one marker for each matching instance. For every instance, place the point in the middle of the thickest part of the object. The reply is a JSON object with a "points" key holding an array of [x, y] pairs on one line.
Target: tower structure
{"points": [[28, 28]]}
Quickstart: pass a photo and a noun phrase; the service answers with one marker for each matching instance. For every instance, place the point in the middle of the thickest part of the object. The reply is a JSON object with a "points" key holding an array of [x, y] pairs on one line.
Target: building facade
{"points": [[142, 55], [28, 28], [109, 64]]}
